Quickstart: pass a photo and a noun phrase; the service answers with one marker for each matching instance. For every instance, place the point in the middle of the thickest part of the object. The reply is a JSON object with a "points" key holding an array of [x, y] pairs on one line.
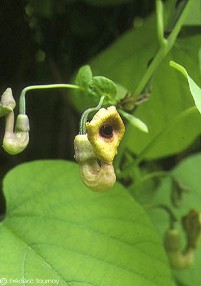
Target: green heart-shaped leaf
{"points": [[59, 231]]}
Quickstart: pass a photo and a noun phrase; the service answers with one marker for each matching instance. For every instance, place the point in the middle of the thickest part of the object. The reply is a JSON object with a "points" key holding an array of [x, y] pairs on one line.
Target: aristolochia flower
{"points": [[16, 142], [105, 132], [96, 176]]}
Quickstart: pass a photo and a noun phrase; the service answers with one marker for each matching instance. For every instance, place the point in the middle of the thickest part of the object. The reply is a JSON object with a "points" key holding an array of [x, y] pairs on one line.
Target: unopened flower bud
{"points": [[178, 259], [7, 103], [192, 226], [16, 142]]}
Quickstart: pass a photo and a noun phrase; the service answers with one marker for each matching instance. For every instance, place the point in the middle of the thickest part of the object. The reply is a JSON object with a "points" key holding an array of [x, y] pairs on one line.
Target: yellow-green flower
{"points": [[105, 132], [98, 176]]}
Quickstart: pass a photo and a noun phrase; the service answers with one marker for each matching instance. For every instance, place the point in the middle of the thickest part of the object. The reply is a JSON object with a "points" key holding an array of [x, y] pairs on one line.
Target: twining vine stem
{"points": [[22, 105], [160, 23], [84, 116], [165, 44], [164, 48], [169, 211]]}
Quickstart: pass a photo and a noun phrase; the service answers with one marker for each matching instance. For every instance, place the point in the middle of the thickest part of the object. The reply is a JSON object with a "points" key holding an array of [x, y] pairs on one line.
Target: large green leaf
{"points": [[55, 228], [194, 17], [125, 62], [127, 59], [171, 131]]}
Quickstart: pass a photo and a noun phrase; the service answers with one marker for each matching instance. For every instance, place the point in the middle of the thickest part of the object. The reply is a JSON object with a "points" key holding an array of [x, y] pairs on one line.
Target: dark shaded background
{"points": [[46, 42]]}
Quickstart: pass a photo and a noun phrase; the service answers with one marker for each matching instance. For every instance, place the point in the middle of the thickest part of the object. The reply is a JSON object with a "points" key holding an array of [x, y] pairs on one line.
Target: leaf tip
{"points": [[178, 67]]}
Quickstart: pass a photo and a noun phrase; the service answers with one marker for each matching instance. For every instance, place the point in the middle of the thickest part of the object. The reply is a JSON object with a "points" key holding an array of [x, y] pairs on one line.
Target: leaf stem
{"points": [[85, 115], [164, 48], [22, 105], [151, 176], [160, 23], [169, 211]]}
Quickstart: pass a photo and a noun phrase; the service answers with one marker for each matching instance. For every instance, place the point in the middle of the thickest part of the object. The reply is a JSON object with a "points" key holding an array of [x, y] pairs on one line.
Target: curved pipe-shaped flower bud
{"points": [[178, 259], [192, 226], [105, 132], [7, 103], [96, 177], [16, 142]]}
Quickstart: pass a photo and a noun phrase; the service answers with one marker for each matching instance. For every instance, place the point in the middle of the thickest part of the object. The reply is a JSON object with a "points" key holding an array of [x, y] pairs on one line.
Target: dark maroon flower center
{"points": [[106, 131]]}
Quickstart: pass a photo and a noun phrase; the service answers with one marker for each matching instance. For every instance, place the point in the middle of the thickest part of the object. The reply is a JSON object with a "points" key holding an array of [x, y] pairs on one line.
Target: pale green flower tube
{"points": [[16, 142], [7, 103], [97, 177]]}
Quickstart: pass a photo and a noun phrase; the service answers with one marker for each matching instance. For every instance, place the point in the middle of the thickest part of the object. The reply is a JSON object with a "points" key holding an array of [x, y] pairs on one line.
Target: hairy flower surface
{"points": [[105, 132]]}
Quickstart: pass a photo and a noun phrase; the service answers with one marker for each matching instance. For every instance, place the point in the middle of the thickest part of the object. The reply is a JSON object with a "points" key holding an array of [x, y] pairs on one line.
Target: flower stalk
{"points": [[22, 101]]}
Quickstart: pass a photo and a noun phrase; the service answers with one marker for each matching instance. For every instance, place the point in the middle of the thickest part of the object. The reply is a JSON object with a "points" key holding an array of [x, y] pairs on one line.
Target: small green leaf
{"points": [[80, 98], [194, 88], [134, 121], [102, 86], [84, 77], [92, 89]]}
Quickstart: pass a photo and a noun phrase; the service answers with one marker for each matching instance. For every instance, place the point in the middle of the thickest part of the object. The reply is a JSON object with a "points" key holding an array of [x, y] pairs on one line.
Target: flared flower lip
{"points": [[105, 144]]}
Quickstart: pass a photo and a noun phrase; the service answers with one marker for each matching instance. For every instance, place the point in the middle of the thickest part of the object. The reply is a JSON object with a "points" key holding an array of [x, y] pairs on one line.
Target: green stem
{"points": [[151, 176], [85, 115], [164, 49], [154, 175], [172, 217], [147, 148], [169, 211], [22, 105], [160, 23]]}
